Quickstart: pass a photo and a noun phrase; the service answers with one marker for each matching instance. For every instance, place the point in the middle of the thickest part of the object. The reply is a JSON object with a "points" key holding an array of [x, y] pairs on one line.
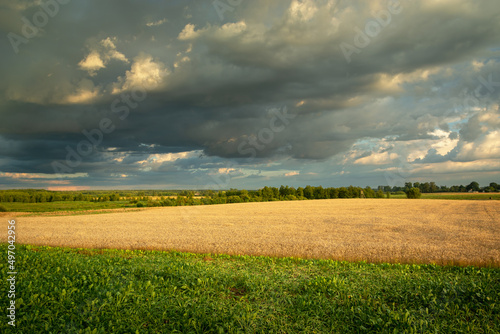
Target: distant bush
{"points": [[388, 194], [379, 194], [140, 205], [413, 193], [3, 208], [168, 202], [234, 199]]}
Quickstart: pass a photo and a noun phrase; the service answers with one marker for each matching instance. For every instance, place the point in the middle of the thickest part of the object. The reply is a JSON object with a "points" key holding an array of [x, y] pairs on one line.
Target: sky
{"points": [[219, 94]]}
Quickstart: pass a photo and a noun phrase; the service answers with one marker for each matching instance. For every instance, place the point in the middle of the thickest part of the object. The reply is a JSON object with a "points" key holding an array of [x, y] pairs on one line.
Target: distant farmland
{"points": [[375, 230]]}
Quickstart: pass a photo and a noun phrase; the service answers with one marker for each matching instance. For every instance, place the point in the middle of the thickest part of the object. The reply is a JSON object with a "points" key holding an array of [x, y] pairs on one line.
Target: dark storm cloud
{"points": [[218, 84], [471, 130]]}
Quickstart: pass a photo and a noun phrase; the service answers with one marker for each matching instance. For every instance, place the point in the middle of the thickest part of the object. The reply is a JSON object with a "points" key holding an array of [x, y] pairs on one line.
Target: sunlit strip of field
{"points": [[376, 230]]}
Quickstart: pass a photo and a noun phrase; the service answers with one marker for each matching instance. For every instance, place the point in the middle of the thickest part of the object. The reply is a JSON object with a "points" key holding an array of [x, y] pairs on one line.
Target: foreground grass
{"points": [[116, 291]]}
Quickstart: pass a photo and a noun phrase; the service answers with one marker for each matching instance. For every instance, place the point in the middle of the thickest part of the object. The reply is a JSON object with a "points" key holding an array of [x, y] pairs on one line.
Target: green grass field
{"points": [[65, 206], [62, 290]]}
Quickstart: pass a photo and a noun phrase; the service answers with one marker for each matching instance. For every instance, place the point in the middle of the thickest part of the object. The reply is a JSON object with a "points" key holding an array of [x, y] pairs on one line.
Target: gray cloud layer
{"points": [[422, 87]]}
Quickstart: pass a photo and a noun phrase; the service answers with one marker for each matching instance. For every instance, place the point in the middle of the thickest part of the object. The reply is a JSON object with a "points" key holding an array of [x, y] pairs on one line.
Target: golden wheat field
{"points": [[376, 230]]}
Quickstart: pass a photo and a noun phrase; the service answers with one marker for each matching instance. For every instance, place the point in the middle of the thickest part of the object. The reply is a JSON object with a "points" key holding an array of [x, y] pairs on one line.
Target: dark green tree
{"points": [[369, 192], [343, 193], [309, 192], [474, 186], [333, 192], [319, 193]]}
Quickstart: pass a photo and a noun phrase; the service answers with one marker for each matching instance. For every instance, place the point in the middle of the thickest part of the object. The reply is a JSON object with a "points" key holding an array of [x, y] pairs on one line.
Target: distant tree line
{"points": [[204, 197], [40, 196], [43, 196], [431, 187], [266, 194]]}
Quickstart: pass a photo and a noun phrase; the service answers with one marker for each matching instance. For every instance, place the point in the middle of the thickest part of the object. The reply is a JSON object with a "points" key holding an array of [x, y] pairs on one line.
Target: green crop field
{"points": [[62, 290], [65, 206]]}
